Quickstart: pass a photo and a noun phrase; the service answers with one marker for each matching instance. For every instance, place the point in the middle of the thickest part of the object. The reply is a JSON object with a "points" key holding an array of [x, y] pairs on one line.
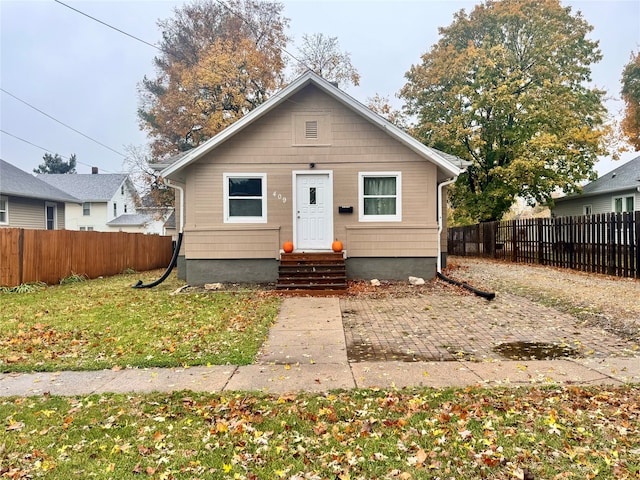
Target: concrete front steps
{"points": [[321, 273]]}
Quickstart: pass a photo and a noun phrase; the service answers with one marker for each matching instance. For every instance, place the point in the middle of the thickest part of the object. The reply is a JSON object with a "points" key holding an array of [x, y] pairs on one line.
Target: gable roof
{"points": [[131, 219], [88, 187], [19, 183], [625, 177], [444, 161]]}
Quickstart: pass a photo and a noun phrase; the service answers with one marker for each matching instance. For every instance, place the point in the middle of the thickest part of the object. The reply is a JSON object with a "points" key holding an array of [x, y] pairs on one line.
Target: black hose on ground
{"points": [[167, 271], [480, 293]]}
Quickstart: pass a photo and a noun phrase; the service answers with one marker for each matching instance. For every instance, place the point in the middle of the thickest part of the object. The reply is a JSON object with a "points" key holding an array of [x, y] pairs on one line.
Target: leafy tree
{"points": [[506, 88], [381, 105], [322, 55], [218, 62], [147, 180], [55, 164], [631, 96]]}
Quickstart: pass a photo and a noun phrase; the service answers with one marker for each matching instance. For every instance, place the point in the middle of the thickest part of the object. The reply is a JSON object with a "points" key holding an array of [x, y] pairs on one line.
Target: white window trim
{"points": [[225, 190], [88, 204], [380, 218], [6, 210], [584, 209], [623, 200]]}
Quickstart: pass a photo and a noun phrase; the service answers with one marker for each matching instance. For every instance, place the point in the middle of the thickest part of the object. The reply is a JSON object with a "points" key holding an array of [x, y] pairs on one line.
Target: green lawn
{"points": [[104, 323], [550, 433]]}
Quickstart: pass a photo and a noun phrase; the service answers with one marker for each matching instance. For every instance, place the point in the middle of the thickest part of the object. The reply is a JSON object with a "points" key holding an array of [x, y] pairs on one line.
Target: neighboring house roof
{"points": [[443, 161], [625, 177], [88, 187], [131, 220], [171, 221], [19, 183]]}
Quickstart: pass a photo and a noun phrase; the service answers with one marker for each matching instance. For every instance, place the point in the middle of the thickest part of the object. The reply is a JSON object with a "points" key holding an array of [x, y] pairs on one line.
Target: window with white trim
{"points": [[86, 209], [245, 199], [586, 210], [623, 204], [4, 210], [380, 196]]}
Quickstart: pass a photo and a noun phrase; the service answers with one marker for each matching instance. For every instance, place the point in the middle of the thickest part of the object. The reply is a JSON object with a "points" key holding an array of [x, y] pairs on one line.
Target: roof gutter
{"points": [[440, 220], [180, 190]]}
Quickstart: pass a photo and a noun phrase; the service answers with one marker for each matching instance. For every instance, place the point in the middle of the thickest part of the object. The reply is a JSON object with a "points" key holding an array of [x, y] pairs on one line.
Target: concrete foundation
{"points": [[181, 267], [199, 272], [391, 268], [261, 270]]}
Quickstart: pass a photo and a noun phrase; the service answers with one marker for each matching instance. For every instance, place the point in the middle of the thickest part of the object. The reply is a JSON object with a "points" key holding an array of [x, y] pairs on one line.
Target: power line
{"points": [[46, 149], [107, 25], [62, 123], [241, 17]]}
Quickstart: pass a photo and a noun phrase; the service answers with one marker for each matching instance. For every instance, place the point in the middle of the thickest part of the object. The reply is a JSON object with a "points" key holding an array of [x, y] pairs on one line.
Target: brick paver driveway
{"points": [[442, 323]]}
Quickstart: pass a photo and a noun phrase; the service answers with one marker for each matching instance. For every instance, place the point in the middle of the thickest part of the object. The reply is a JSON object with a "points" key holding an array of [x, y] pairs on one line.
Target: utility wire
{"points": [[62, 123], [110, 26], [46, 149], [241, 17]]}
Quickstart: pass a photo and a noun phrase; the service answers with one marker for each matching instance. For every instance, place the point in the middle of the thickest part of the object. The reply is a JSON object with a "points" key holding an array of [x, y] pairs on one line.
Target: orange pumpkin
{"points": [[287, 247], [336, 246]]}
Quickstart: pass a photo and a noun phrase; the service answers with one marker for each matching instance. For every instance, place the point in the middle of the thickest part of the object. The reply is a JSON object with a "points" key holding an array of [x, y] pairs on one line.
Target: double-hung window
{"points": [[4, 210], [623, 204], [86, 209], [380, 196], [245, 199]]}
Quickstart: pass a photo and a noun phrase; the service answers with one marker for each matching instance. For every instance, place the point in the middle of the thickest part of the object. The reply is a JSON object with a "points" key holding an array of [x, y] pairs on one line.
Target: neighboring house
{"points": [[27, 202], [616, 191], [109, 202], [310, 165]]}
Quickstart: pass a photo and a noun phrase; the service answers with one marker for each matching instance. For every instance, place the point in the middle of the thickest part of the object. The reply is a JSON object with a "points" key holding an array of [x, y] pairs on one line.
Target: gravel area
{"points": [[609, 303]]}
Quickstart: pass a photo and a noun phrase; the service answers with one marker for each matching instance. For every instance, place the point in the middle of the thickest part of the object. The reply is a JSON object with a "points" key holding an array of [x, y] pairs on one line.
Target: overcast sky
{"points": [[86, 75]]}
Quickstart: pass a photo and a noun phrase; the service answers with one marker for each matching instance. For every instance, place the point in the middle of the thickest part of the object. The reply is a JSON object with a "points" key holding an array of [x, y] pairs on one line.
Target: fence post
{"points": [[637, 243], [540, 234], [514, 241], [20, 256]]}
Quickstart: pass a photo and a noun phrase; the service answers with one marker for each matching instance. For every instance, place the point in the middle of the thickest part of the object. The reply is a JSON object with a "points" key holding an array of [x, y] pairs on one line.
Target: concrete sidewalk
{"points": [[306, 351]]}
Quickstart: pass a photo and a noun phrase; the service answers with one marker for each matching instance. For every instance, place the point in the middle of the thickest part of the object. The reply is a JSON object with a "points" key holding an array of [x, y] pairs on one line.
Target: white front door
{"points": [[313, 211]]}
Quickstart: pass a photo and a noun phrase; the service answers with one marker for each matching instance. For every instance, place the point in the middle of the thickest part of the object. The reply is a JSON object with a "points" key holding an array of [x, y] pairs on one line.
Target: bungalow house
{"points": [[27, 202], [108, 203], [309, 166], [617, 191]]}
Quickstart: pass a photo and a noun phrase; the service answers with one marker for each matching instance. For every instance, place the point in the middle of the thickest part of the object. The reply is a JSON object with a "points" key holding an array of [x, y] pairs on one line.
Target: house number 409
{"points": [[280, 197]]}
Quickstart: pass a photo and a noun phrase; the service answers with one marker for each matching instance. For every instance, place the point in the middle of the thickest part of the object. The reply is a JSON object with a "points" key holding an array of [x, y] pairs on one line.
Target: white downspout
{"points": [[440, 190], [168, 183]]}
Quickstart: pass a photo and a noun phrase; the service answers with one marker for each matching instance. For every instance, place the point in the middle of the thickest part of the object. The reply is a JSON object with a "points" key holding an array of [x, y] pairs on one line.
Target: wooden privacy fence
{"points": [[604, 243], [50, 255]]}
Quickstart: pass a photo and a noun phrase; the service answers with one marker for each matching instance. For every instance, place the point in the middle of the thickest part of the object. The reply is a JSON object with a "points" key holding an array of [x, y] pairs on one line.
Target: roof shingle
{"points": [[86, 186], [19, 183]]}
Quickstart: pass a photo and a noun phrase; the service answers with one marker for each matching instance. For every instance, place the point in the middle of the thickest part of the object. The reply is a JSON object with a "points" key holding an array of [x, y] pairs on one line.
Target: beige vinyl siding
{"points": [[30, 213], [266, 146], [391, 241], [254, 242]]}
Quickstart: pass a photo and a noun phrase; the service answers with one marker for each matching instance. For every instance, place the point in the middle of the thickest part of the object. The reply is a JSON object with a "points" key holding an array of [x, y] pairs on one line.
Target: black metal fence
{"points": [[603, 243]]}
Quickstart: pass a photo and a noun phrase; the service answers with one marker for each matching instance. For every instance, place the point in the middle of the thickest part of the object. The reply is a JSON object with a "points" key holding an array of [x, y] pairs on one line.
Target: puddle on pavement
{"points": [[535, 351]]}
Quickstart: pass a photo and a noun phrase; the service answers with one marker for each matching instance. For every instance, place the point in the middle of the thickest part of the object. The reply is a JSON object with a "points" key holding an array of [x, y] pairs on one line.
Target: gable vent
{"points": [[311, 129]]}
